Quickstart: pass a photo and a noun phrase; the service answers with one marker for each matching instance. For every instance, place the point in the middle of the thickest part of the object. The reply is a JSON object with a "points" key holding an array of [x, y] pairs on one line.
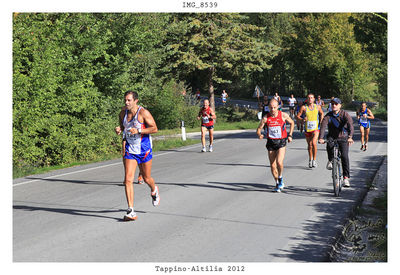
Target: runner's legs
{"points": [[211, 134], [130, 167], [146, 173], [362, 134]]}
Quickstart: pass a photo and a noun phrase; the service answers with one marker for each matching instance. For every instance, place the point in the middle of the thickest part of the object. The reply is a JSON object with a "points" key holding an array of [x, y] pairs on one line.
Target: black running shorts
{"points": [[275, 144]]}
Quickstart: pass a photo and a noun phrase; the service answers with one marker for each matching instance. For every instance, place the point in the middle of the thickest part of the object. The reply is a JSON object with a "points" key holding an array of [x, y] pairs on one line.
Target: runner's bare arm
{"points": [[300, 113], [260, 127], [151, 126], [287, 118], [321, 114], [370, 114], [120, 128]]}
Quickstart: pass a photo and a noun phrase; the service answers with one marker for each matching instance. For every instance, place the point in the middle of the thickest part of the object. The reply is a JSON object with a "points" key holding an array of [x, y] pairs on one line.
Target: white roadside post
{"points": [[183, 131]]}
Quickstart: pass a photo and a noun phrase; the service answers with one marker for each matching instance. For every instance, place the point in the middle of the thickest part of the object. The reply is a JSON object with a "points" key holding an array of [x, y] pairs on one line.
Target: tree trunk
{"points": [[211, 88]]}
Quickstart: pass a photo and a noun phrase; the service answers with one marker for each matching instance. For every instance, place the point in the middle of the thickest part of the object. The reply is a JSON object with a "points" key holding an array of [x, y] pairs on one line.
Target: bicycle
{"points": [[337, 174], [337, 171]]}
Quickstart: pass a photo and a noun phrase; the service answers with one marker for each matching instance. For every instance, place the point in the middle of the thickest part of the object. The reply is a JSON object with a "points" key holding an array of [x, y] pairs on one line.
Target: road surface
{"points": [[215, 207]]}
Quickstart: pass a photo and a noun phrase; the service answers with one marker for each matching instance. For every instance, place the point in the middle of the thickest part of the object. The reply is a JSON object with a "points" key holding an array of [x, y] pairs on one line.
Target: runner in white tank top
{"points": [[137, 124]]}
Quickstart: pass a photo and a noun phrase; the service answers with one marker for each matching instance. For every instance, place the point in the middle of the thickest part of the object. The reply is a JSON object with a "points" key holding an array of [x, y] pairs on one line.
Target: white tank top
{"points": [[138, 143]]}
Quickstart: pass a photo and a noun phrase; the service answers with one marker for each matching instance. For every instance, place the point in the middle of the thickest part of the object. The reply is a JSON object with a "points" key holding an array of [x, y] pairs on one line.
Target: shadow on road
{"points": [[312, 244], [68, 211], [91, 182]]}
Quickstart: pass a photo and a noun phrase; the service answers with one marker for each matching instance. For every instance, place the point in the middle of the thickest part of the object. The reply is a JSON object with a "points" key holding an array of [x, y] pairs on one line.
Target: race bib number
{"points": [[311, 125], [275, 132], [363, 120], [131, 138], [205, 119]]}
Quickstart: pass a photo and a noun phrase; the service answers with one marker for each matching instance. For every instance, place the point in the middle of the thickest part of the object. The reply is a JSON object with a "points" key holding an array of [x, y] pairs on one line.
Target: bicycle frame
{"points": [[337, 175]]}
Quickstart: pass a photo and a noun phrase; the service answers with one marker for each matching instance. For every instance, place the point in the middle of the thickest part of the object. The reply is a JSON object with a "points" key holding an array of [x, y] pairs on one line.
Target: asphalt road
{"points": [[215, 207]]}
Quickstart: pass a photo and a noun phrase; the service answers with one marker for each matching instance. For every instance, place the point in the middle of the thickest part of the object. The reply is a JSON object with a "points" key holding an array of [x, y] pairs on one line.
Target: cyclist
{"points": [[340, 127], [364, 115], [292, 105], [313, 117], [275, 131]]}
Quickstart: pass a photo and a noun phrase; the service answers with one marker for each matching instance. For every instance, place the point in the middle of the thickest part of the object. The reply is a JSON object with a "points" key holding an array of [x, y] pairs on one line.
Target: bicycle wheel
{"points": [[336, 177]]}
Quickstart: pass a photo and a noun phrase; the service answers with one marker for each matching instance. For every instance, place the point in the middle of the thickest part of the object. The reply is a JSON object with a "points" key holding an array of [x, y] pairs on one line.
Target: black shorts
{"points": [[292, 107], [208, 127], [275, 144]]}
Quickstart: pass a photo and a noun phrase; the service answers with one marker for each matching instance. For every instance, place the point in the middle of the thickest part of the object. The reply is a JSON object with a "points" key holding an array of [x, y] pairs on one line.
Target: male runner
{"points": [[118, 129], [340, 127], [265, 106], [314, 116], [207, 116], [292, 105], [224, 97], [364, 115], [137, 124], [300, 122], [278, 98], [320, 102], [276, 134]]}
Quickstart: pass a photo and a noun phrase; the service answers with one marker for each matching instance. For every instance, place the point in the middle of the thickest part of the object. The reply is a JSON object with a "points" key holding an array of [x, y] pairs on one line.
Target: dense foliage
{"points": [[70, 70]]}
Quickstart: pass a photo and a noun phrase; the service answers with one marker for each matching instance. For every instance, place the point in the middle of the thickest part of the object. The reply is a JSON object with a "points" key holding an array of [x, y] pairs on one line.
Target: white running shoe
{"points": [[155, 196], [130, 215], [310, 164], [210, 149], [204, 149], [346, 182], [314, 163], [329, 165]]}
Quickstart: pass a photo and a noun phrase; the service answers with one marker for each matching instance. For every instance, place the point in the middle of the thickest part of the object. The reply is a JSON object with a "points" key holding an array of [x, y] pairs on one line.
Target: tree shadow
{"points": [[318, 235]]}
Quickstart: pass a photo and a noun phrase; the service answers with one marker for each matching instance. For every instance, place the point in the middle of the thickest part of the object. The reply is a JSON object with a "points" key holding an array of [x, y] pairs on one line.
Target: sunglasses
{"points": [[334, 103]]}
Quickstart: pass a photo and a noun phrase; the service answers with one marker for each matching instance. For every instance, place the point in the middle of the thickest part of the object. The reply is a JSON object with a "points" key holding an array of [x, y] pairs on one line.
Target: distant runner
{"points": [[274, 123], [224, 97], [364, 115], [278, 98], [300, 122], [320, 102], [292, 105], [207, 116], [314, 116]]}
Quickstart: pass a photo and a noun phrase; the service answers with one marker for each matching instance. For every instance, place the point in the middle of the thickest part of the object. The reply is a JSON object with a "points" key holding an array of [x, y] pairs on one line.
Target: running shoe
{"points": [[365, 147], [314, 163], [210, 149], [346, 182], [140, 180], [277, 189], [204, 149], [281, 185], [329, 165], [130, 215], [310, 164], [362, 147], [155, 196]]}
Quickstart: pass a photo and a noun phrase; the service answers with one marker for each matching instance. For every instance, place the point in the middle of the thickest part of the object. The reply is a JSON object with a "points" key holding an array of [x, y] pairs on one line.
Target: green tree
{"points": [[327, 57], [217, 45]]}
